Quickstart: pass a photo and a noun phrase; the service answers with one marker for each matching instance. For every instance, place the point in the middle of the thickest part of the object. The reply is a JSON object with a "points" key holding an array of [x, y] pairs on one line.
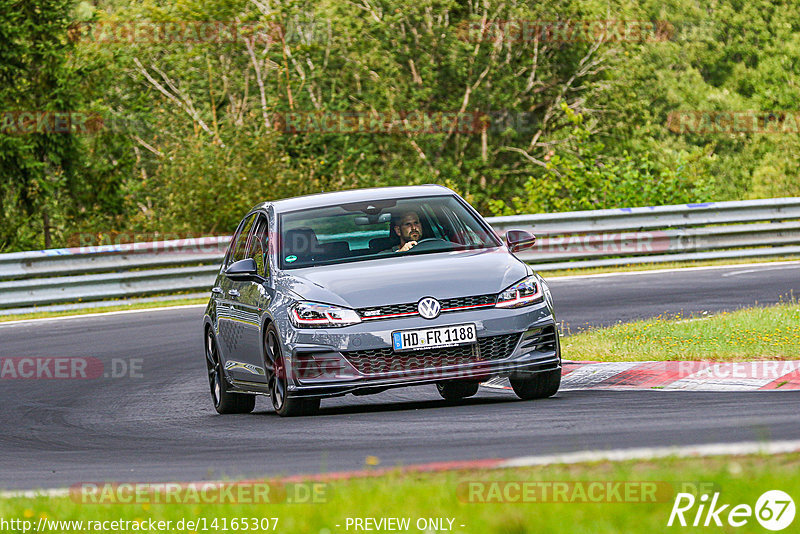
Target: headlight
{"points": [[313, 315], [546, 289], [523, 293]]}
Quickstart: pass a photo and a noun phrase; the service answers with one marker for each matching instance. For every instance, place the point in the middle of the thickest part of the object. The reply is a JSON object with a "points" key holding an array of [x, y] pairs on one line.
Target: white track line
{"points": [[612, 455], [103, 314], [650, 453], [662, 271], [33, 494]]}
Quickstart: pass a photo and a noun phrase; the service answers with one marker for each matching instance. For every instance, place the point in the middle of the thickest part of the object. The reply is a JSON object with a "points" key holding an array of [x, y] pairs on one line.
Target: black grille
{"points": [[477, 300], [411, 307], [392, 309], [541, 340], [386, 360]]}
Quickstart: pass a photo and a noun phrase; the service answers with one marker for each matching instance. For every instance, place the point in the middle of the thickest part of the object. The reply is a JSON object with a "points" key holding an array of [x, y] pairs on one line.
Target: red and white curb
{"points": [[613, 455], [677, 375]]}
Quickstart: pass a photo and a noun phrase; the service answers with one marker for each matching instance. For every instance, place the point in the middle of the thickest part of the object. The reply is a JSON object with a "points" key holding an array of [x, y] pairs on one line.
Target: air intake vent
{"points": [[490, 348]]}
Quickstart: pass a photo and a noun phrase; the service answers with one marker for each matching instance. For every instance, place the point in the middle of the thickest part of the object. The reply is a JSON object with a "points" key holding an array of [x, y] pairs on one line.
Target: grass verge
{"points": [[519, 500], [771, 333], [104, 309]]}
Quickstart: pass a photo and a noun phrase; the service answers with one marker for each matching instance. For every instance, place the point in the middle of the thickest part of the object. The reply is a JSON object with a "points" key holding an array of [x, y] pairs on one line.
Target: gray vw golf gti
{"points": [[361, 291]]}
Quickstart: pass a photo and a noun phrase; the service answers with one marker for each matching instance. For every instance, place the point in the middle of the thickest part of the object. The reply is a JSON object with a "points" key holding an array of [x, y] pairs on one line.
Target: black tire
{"points": [[456, 390], [537, 385], [224, 402], [284, 404]]}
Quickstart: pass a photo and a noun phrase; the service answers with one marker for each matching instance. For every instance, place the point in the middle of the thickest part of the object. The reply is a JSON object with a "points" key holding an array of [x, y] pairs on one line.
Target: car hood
{"points": [[398, 280]]}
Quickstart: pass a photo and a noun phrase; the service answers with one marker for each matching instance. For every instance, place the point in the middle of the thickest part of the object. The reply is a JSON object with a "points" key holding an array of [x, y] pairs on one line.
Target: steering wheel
{"points": [[429, 243]]}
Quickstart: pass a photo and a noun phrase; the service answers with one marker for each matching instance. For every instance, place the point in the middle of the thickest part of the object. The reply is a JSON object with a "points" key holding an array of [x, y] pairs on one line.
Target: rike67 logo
{"points": [[774, 510]]}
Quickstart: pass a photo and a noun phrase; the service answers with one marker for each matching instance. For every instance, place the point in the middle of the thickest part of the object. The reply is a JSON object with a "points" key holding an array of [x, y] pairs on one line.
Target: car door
{"points": [[254, 297], [230, 320]]}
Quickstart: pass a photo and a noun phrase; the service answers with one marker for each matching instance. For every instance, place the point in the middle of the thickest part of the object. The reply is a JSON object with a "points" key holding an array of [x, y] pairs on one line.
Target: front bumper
{"points": [[359, 358]]}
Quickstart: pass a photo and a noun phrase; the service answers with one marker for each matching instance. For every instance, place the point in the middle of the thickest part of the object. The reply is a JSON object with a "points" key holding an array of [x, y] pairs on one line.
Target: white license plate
{"points": [[431, 338]]}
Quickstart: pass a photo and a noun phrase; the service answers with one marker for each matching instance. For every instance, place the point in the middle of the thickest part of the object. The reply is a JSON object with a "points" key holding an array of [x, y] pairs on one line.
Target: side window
{"points": [[240, 241], [258, 245]]}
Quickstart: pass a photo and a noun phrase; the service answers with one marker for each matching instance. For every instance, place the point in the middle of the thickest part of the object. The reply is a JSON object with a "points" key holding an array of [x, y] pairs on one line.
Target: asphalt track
{"points": [[159, 425]]}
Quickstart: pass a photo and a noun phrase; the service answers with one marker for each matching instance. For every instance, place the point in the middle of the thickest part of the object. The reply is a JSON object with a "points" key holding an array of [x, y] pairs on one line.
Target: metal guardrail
{"points": [[752, 228], [687, 232], [43, 277]]}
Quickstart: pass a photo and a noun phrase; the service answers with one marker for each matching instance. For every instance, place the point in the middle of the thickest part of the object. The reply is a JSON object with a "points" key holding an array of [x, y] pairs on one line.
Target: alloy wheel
{"points": [[214, 371], [278, 379]]}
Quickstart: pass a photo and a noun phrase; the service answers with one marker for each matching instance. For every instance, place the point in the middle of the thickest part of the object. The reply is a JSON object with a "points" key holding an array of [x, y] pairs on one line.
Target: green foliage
{"points": [[582, 176], [38, 171], [726, 56], [194, 129]]}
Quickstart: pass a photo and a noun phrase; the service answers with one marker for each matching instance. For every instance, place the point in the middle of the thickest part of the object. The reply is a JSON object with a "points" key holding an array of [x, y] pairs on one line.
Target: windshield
{"points": [[379, 229]]}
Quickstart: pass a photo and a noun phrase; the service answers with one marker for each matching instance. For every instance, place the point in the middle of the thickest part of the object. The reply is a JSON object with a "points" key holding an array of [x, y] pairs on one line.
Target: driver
{"points": [[409, 229]]}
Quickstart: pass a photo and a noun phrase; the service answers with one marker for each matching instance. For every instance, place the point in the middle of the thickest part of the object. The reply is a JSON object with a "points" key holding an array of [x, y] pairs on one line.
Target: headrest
{"points": [[301, 241]]}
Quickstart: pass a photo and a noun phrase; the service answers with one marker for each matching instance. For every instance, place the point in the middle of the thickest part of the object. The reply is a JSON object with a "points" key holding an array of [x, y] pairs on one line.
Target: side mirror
{"points": [[244, 271], [519, 240]]}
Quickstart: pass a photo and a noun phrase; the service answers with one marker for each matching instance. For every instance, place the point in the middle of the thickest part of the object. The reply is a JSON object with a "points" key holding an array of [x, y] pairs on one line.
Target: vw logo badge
{"points": [[429, 308]]}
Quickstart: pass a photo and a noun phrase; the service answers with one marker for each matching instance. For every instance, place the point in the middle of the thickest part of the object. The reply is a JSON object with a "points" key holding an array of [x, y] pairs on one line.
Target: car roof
{"points": [[355, 195]]}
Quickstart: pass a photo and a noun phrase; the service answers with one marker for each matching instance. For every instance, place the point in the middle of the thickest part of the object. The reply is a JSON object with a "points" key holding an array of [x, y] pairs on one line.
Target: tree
{"points": [[37, 161]]}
